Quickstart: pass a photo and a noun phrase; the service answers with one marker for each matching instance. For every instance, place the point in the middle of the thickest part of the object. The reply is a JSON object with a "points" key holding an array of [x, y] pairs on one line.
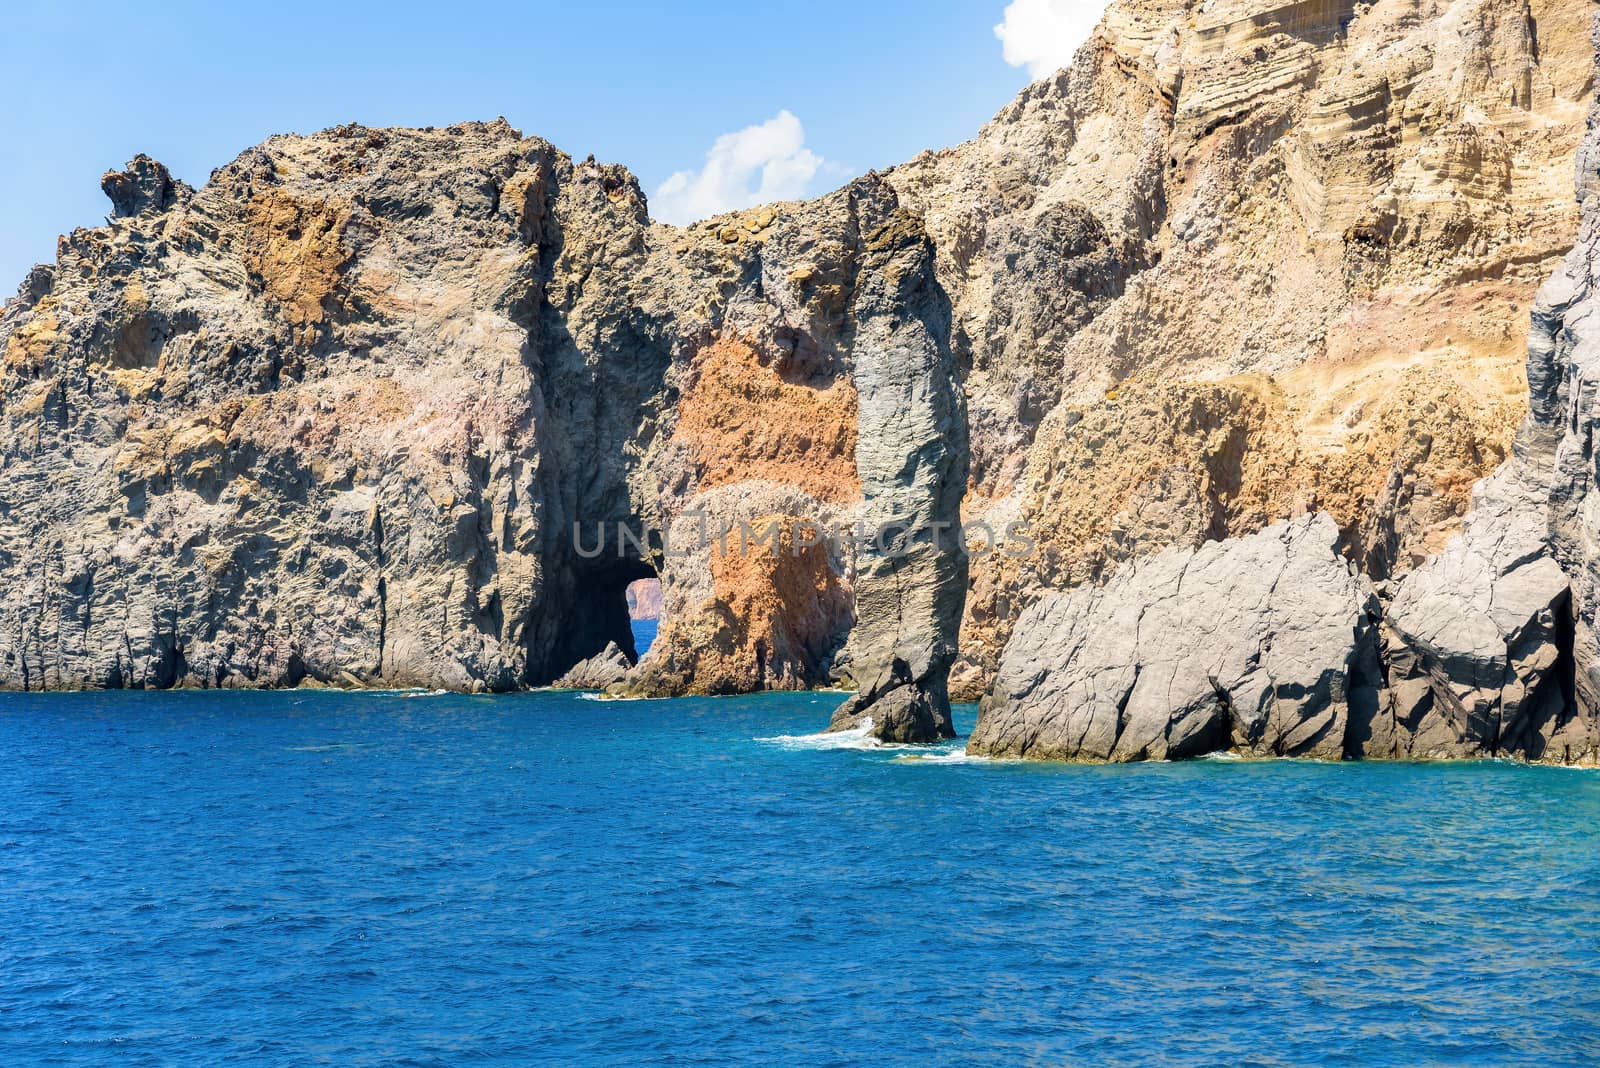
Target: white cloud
{"points": [[1042, 35], [751, 166]]}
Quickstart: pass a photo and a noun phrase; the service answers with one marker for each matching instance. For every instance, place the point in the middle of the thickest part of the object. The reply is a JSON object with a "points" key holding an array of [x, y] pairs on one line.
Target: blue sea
{"points": [[383, 878], [644, 633]]}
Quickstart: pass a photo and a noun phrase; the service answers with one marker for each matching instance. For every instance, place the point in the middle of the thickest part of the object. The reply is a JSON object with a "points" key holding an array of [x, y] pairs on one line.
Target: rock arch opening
{"points": [[644, 613], [597, 612]]}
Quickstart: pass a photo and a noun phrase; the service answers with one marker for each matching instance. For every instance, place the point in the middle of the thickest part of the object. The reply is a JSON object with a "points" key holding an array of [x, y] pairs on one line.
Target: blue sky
{"points": [[831, 87]]}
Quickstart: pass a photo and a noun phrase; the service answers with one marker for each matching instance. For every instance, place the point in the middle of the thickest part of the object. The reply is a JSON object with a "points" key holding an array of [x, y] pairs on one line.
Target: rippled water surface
{"points": [[364, 879]]}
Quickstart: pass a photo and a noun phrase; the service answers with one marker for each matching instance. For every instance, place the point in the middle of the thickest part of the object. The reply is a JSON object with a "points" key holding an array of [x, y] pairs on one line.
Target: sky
{"points": [[714, 105]]}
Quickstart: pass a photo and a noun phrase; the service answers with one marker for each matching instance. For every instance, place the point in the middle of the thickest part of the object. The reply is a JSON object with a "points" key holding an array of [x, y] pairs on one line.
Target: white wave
{"points": [[947, 756], [859, 737], [369, 691]]}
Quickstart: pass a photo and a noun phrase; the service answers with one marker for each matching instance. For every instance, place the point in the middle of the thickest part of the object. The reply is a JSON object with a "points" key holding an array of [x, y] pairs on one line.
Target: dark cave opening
{"points": [[599, 611]]}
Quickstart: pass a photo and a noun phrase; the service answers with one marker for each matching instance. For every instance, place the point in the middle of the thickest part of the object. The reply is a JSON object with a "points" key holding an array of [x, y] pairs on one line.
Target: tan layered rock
{"points": [[1354, 203], [1486, 649]]}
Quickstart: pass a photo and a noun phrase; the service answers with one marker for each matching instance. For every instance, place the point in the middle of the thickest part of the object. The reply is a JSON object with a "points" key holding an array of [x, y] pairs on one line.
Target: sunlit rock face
{"points": [[412, 407], [1265, 644], [1269, 644], [1246, 260], [417, 406], [644, 599]]}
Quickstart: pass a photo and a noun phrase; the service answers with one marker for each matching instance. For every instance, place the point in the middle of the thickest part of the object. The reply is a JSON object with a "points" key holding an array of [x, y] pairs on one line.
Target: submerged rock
{"points": [[1264, 644]]}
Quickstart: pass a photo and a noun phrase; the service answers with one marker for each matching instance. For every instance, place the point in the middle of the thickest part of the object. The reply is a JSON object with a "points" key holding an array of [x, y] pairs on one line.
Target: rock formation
{"points": [[607, 668], [644, 599], [1480, 640], [415, 407], [1244, 260], [1265, 644], [1487, 649]]}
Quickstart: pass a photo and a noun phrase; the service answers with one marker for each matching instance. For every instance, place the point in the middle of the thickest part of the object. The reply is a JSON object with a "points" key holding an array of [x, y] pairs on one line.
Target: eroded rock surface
{"points": [[1264, 644], [416, 406], [1492, 643], [609, 667], [1243, 260], [1477, 637], [1486, 649], [413, 407]]}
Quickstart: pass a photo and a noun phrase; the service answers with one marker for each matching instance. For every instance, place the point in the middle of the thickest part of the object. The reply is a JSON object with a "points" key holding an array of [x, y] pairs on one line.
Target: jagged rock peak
{"points": [[144, 185]]}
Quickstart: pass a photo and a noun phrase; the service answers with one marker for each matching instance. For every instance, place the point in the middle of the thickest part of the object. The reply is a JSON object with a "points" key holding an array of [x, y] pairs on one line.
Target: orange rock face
{"points": [[777, 609], [744, 419], [295, 247]]}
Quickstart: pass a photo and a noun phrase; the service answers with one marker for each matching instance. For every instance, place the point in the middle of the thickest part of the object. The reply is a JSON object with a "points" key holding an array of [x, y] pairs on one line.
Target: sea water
{"points": [[644, 633], [398, 878]]}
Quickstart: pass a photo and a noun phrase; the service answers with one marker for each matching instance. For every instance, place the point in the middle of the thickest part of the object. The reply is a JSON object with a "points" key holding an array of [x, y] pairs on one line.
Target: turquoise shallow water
{"points": [[382, 879]]}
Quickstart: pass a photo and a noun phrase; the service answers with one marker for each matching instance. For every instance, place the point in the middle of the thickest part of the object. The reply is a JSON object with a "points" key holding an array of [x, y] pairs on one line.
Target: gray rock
{"points": [[912, 458], [1264, 644], [339, 416], [145, 185], [1557, 440], [606, 668], [1475, 637]]}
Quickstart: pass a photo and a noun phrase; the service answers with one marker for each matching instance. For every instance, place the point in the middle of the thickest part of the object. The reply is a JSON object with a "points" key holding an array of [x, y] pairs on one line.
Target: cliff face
{"points": [[417, 406], [1246, 260], [1263, 644], [644, 599], [413, 407]]}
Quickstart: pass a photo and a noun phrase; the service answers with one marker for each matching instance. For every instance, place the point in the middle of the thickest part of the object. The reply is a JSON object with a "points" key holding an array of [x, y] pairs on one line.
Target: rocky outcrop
{"points": [[1487, 649], [607, 668], [1244, 260], [1563, 380], [417, 406], [1493, 648], [414, 407], [144, 186], [911, 585], [1479, 641], [1265, 645]]}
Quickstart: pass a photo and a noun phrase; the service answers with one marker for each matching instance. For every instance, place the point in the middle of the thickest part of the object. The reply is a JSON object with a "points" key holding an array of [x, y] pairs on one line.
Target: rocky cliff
{"points": [[1487, 649], [644, 599], [416, 406], [1245, 260]]}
